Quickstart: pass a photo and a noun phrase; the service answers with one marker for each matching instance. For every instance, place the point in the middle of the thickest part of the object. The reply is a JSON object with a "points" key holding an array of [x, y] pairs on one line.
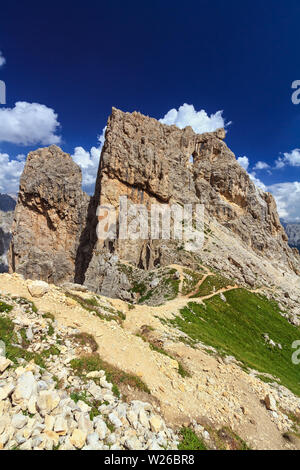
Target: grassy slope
{"points": [[212, 284], [236, 327]]}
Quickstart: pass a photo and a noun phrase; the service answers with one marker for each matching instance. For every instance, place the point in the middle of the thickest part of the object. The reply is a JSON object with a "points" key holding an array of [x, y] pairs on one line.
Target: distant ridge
{"points": [[293, 232], [7, 203]]}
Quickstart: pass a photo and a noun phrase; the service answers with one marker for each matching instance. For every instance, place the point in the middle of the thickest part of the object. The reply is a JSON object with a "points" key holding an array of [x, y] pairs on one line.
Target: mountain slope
{"points": [[191, 382]]}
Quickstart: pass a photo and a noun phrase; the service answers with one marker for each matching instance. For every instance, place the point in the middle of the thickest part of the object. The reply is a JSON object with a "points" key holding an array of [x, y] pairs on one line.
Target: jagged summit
{"points": [[54, 232], [186, 330], [7, 203], [49, 217], [7, 206]]}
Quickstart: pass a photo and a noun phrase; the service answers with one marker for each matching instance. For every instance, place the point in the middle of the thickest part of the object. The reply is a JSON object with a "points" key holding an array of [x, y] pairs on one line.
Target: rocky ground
{"points": [[49, 406], [133, 385]]}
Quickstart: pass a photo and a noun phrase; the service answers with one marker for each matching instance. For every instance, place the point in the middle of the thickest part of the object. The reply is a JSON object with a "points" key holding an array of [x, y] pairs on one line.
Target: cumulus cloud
{"points": [[200, 121], [10, 173], [257, 181], [261, 166], [244, 162], [289, 158], [287, 196], [186, 115], [2, 59], [29, 123], [89, 162]]}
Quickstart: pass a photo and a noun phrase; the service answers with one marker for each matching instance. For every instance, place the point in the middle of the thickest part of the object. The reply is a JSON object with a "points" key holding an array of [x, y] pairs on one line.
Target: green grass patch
{"points": [[190, 441], [236, 328], [92, 301], [94, 404], [117, 377], [48, 316], [50, 329], [181, 369], [172, 286], [190, 280], [26, 302], [9, 337], [139, 288], [52, 351], [226, 439], [85, 339], [212, 284], [5, 308], [92, 305]]}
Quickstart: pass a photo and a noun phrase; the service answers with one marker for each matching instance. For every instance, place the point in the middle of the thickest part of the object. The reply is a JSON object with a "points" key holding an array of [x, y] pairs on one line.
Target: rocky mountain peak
{"points": [[54, 232], [7, 203], [49, 216]]}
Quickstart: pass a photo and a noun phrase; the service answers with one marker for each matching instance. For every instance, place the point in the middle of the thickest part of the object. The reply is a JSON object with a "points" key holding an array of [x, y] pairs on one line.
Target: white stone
{"points": [[26, 387], [270, 403], [6, 391], [61, 426], [156, 423], [132, 443], [143, 418], [101, 428], [4, 363], [85, 408], [115, 420], [19, 421], [38, 288], [47, 401], [78, 438]]}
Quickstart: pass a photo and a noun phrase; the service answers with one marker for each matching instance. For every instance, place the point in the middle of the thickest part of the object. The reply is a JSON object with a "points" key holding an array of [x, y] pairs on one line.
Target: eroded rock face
{"points": [[151, 163], [7, 206], [54, 231], [293, 233], [49, 218], [6, 219]]}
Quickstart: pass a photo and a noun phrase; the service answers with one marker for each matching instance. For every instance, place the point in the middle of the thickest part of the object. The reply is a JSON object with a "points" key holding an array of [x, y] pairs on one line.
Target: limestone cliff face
{"points": [[49, 217], [7, 206], [54, 230], [6, 219], [154, 163], [293, 234]]}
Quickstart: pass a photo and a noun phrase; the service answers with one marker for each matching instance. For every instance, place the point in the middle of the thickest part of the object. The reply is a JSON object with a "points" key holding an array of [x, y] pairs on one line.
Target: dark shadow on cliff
{"points": [[87, 243], [88, 237]]}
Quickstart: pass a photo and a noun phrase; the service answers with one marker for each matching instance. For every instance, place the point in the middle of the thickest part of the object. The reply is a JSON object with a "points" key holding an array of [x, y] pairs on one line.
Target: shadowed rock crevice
{"points": [[87, 243], [7, 206]]}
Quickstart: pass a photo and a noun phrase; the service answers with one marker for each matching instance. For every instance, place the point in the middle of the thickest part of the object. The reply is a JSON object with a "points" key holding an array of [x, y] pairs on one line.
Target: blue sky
{"points": [[78, 59]]}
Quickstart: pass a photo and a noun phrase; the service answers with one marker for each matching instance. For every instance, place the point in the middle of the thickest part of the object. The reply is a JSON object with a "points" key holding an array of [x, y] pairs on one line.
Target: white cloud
{"points": [[29, 123], [257, 181], [261, 166], [287, 196], [89, 162], [2, 59], [244, 162], [198, 120], [10, 173], [292, 159]]}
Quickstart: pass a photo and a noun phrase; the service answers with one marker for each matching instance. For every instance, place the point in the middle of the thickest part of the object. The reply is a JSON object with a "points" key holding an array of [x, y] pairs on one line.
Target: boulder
{"points": [[270, 403], [38, 288]]}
